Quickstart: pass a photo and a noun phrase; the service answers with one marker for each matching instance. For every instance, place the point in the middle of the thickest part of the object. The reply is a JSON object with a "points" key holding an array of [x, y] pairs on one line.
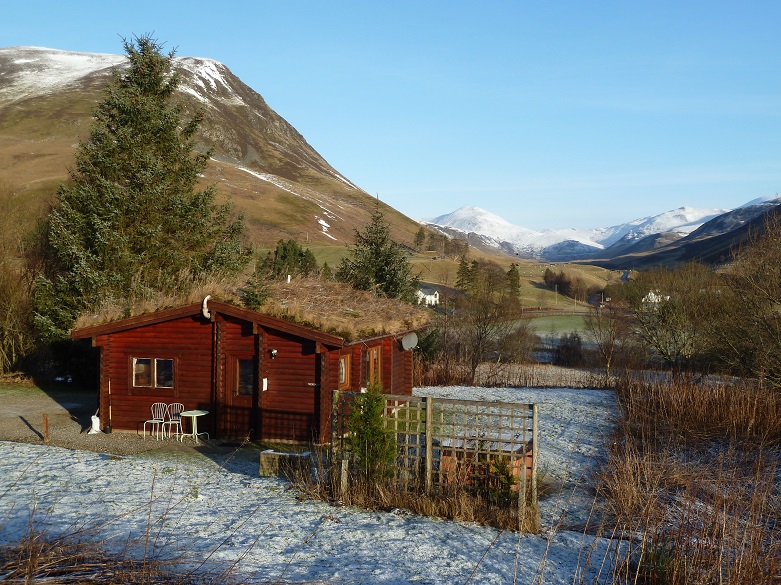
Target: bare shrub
{"points": [[696, 410], [692, 481], [459, 501]]}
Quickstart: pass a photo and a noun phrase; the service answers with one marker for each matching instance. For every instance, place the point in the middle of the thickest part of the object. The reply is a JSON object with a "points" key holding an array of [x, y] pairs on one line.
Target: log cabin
{"points": [[258, 376]]}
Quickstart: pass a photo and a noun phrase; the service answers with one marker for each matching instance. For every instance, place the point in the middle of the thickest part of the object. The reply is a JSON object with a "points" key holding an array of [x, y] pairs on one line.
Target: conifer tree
{"points": [[514, 283], [378, 263], [131, 222], [290, 258], [420, 239]]}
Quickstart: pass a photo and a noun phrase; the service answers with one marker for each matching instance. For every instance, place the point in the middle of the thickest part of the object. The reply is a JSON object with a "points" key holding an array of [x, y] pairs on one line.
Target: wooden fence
{"points": [[444, 443]]}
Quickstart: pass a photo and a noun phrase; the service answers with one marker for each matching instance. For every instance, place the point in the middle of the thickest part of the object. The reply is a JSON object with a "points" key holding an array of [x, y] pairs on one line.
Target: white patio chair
{"points": [[159, 412], [174, 420]]}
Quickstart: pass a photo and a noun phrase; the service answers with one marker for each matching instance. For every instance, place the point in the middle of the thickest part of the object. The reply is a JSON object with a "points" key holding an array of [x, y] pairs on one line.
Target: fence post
{"points": [[535, 454], [429, 410], [334, 411], [522, 489], [343, 478]]}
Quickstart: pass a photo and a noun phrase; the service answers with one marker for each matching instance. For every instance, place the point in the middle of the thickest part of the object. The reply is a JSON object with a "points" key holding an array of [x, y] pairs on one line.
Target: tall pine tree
{"points": [[131, 222]]}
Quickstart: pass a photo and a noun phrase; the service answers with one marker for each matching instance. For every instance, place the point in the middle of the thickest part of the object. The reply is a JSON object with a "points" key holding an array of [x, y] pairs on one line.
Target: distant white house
{"points": [[654, 298], [428, 296]]}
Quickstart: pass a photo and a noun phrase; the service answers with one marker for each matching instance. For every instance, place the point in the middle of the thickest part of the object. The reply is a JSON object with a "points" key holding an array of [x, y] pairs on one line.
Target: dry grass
{"points": [[458, 502], [693, 484], [442, 372], [331, 307], [702, 410], [114, 311], [339, 309], [71, 560]]}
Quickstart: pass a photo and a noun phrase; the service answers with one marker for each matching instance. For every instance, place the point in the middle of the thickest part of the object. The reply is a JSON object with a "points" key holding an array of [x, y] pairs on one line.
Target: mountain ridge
{"points": [[565, 244]]}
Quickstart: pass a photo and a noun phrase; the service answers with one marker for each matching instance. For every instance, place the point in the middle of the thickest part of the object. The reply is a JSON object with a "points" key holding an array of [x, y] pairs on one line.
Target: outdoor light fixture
{"points": [[273, 353]]}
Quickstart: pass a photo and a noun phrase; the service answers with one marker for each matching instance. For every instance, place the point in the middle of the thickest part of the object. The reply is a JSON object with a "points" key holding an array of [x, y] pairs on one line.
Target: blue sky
{"points": [[549, 114]]}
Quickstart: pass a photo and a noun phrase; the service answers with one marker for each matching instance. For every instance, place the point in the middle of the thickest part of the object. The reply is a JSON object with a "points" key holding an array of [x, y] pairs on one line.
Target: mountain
{"points": [[285, 187], [487, 229], [713, 242]]}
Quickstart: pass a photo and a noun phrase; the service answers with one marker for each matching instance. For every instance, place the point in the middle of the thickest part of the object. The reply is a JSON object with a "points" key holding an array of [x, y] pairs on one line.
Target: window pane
{"points": [[142, 372], [164, 373], [375, 366], [344, 372], [246, 377]]}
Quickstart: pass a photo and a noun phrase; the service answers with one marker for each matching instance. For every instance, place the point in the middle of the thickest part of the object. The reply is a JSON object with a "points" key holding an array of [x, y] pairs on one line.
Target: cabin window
{"points": [[375, 365], [344, 372], [153, 373], [245, 377]]}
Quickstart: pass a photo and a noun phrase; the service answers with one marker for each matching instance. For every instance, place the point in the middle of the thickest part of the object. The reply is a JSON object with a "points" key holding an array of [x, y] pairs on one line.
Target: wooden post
{"points": [[535, 455], [429, 410], [108, 427], [45, 428], [335, 402], [522, 490], [343, 478]]}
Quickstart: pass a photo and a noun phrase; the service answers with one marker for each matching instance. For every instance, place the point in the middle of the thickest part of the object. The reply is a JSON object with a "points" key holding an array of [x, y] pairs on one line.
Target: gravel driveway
{"points": [[70, 413]]}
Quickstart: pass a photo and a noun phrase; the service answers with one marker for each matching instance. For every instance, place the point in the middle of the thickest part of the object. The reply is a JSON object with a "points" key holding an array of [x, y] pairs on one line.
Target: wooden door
{"points": [[241, 389], [290, 401]]}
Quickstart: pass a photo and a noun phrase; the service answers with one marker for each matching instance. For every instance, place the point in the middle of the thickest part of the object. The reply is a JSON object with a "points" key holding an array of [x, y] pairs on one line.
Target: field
{"points": [[557, 325]]}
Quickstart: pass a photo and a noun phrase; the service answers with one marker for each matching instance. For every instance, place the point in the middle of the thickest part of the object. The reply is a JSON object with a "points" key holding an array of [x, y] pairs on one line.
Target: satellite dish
{"points": [[409, 341]]}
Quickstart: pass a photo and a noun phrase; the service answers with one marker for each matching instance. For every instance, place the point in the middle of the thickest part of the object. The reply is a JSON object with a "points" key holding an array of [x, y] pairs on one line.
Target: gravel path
{"points": [[70, 413]]}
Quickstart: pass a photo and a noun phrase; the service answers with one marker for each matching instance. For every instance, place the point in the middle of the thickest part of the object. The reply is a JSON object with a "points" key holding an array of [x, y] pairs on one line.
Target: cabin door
{"points": [[242, 396]]}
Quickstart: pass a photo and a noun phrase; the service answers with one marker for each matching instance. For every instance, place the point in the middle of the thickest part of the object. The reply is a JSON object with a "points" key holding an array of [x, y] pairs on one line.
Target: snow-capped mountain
{"points": [[569, 243]]}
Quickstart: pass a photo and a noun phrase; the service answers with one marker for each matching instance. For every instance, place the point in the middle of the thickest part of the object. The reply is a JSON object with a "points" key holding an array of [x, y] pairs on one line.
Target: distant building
{"points": [[428, 296], [654, 297]]}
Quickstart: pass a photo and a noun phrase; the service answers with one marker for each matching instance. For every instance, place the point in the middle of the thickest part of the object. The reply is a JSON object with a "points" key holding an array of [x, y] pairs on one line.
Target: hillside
{"points": [[266, 167], [285, 187]]}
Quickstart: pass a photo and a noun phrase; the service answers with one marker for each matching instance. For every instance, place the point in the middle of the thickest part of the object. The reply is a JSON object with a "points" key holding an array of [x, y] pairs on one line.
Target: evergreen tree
{"points": [[326, 273], [372, 443], [378, 263], [255, 291], [514, 283], [464, 277], [130, 223], [420, 239], [291, 259]]}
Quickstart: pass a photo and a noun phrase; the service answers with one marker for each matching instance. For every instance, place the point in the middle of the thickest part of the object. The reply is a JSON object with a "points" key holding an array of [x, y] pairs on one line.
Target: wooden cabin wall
{"points": [[236, 415], [288, 406], [357, 365], [299, 380], [187, 341], [329, 383], [396, 372], [401, 361]]}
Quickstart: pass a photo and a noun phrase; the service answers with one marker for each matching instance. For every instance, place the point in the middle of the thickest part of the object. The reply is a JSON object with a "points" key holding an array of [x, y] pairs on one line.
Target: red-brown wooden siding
{"points": [[187, 341], [300, 379], [237, 415], [289, 404]]}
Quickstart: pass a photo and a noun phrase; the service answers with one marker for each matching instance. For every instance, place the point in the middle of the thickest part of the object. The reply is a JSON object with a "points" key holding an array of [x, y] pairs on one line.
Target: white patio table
{"points": [[193, 415]]}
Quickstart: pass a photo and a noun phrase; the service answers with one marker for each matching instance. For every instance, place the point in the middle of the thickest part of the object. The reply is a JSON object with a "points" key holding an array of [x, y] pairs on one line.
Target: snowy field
{"points": [[220, 517]]}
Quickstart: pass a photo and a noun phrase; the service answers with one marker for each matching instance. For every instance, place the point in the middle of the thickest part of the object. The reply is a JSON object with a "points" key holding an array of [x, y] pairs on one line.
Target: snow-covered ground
{"points": [[220, 516]]}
